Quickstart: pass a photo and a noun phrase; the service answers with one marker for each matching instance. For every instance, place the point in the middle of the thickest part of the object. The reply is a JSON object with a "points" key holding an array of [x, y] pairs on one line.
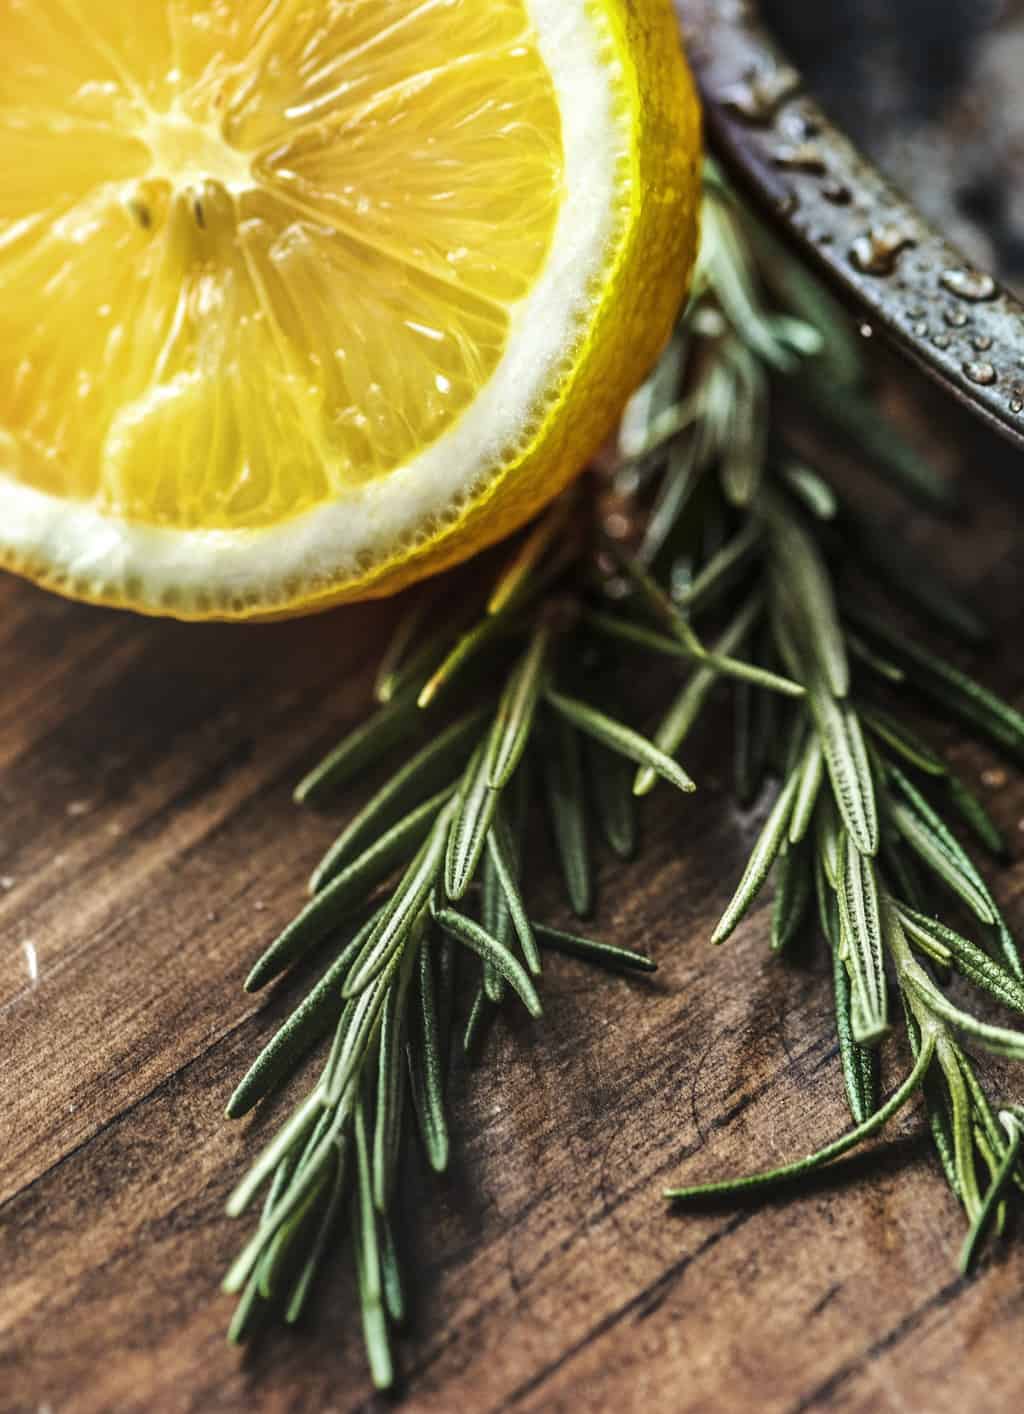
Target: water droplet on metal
{"points": [[921, 330], [837, 192], [761, 93], [866, 331], [877, 252], [800, 157], [955, 318], [941, 341], [982, 343], [972, 285], [794, 126], [1017, 407], [982, 373], [916, 313]]}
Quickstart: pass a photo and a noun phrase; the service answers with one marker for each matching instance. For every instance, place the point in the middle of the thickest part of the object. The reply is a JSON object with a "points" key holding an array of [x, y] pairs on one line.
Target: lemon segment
{"points": [[303, 299]]}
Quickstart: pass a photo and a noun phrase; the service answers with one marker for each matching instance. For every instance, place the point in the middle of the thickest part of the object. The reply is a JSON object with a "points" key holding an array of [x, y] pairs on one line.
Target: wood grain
{"points": [[149, 847]]}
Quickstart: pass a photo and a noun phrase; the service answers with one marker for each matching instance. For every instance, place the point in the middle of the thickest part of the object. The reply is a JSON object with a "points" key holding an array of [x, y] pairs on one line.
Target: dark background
{"points": [[933, 90]]}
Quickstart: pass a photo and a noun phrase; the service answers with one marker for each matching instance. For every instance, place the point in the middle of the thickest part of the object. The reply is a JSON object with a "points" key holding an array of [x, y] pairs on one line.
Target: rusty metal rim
{"points": [[826, 198]]}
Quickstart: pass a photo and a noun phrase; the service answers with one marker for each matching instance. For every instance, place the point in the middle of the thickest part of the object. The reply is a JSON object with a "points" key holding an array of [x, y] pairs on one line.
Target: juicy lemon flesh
{"points": [[254, 253]]}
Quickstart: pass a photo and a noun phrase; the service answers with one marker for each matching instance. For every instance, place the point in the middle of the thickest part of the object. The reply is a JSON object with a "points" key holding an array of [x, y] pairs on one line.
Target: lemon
{"points": [[301, 300]]}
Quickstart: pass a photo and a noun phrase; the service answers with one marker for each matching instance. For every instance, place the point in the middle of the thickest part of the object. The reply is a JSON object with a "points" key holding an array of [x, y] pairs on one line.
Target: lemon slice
{"points": [[301, 300]]}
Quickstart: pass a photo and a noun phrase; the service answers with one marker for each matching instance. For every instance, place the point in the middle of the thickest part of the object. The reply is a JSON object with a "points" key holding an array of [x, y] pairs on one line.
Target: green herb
{"points": [[734, 575]]}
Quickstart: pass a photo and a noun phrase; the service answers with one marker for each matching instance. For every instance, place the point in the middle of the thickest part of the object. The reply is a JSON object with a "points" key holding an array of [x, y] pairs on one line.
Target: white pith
{"points": [[229, 571]]}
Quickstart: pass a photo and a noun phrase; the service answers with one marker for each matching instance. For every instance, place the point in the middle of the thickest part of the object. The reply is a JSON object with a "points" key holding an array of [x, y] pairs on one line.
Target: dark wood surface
{"points": [[149, 848]]}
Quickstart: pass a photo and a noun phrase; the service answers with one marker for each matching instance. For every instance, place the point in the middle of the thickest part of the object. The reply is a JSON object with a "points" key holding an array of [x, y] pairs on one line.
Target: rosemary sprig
{"points": [[709, 550]]}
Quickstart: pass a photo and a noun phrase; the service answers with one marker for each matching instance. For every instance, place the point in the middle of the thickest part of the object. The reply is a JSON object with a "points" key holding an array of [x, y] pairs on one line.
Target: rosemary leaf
{"points": [[390, 1273], [660, 603], [425, 1069], [748, 764], [612, 781], [389, 1109], [959, 858], [403, 909], [424, 773], [923, 938], [481, 1012], [741, 468], [466, 649], [466, 930], [998, 1039], [250, 1313], [658, 393], [985, 1116], [563, 785], [636, 634], [477, 802], [723, 570], [813, 490], [396, 653], [724, 263], [806, 588], [812, 773], [299, 1294], [858, 1062], [502, 852], [792, 895], [603, 954], [679, 484], [757, 676], [686, 708], [529, 554], [361, 748], [291, 1134], [312, 1176], [929, 849], [494, 984], [967, 957], [620, 738], [357, 1029], [768, 844], [842, 745], [1000, 1182], [310, 1020], [825, 1155], [881, 667], [904, 742], [974, 814], [961, 1127], [860, 919], [514, 719], [346, 892], [368, 1265]]}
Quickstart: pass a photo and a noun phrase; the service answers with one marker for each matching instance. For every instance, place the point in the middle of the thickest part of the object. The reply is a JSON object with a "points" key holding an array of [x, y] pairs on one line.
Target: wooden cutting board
{"points": [[149, 848]]}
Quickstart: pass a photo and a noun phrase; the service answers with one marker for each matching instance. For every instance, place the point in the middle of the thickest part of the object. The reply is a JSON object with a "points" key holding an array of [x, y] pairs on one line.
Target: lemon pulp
{"points": [[234, 285]]}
